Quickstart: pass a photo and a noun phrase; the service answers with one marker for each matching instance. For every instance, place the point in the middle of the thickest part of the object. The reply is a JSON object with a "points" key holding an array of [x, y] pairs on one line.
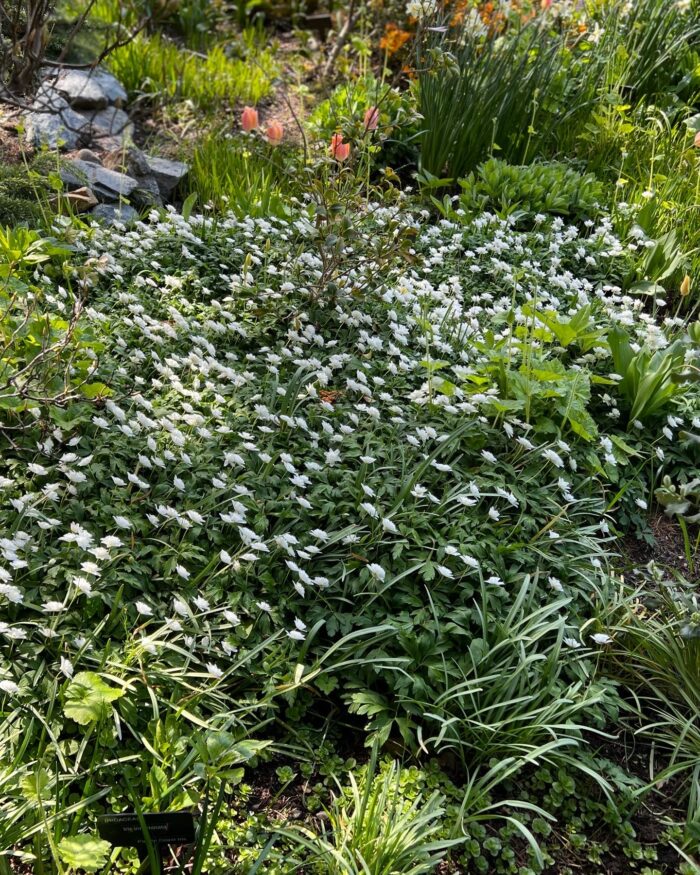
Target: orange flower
{"points": [[275, 132], [371, 118], [339, 150], [393, 39], [249, 119], [696, 140]]}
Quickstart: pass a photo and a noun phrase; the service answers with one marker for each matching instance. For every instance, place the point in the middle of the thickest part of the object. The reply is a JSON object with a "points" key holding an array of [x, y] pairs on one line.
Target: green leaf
{"points": [[36, 786], [95, 390], [84, 852], [88, 698]]}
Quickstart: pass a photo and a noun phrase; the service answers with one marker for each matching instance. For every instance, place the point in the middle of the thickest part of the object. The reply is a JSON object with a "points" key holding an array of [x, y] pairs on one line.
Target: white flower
{"points": [[376, 571], [369, 509], [296, 635], [214, 670], [572, 642], [444, 571], [66, 667], [601, 638], [182, 571], [144, 609], [110, 541], [495, 580], [9, 687], [53, 607], [553, 457], [225, 557], [421, 8], [201, 603], [555, 583], [180, 606], [232, 618], [83, 584], [489, 457], [122, 522], [494, 514], [11, 593], [641, 503]]}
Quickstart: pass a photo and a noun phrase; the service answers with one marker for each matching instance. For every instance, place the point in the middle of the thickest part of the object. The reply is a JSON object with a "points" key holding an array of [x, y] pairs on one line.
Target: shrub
{"points": [[553, 188]]}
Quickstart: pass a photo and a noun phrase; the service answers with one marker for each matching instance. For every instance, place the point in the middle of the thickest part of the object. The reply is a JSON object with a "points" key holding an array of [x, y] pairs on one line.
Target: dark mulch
{"points": [[667, 551]]}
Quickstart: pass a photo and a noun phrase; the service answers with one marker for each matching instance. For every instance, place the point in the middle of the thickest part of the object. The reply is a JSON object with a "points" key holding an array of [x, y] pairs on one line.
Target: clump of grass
{"points": [[155, 66], [23, 191], [228, 174]]}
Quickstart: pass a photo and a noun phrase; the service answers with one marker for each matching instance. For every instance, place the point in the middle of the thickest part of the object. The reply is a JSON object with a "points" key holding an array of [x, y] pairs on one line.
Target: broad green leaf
{"points": [[84, 852], [88, 698]]}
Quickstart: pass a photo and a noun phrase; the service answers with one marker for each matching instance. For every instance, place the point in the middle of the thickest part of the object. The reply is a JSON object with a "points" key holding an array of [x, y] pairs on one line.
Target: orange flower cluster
{"points": [[459, 10], [394, 38], [492, 17]]}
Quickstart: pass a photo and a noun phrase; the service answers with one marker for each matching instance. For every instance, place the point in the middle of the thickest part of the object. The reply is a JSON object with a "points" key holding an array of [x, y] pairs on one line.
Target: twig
{"points": [[341, 39]]}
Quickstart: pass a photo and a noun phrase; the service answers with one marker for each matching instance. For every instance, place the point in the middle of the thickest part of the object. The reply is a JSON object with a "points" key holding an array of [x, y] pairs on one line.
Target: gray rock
{"points": [[111, 122], [147, 194], [55, 125], [86, 89], [108, 185], [131, 161], [89, 156], [168, 174], [110, 214]]}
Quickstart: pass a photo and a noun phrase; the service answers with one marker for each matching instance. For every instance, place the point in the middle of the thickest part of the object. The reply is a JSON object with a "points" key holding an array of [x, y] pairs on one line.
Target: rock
{"points": [[168, 174], [71, 178], [105, 143], [51, 122], [134, 163], [89, 156], [80, 200], [86, 89], [107, 184], [112, 122], [131, 161], [110, 214], [147, 194]]}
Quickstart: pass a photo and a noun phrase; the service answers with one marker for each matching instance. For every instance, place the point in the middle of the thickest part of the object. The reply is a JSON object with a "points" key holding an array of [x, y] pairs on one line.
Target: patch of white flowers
{"points": [[249, 467]]}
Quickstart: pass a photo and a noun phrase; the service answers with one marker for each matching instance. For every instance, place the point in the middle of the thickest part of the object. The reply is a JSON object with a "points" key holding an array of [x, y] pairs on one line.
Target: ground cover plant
{"points": [[350, 502]]}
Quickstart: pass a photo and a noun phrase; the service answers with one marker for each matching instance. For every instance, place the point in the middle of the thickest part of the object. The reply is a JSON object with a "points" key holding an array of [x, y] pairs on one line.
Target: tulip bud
{"points": [[371, 118], [685, 286], [275, 133], [249, 119], [339, 150]]}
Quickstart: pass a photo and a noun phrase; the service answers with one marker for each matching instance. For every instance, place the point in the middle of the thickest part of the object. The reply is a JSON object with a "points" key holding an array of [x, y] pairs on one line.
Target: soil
{"points": [[667, 551], [10, 148]]}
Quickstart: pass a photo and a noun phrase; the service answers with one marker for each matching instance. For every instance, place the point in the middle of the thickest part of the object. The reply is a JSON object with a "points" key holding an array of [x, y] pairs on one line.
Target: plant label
{"points": [[168, 828]]}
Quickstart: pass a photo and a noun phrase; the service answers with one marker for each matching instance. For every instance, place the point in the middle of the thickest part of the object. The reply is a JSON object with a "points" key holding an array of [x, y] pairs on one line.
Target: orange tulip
{"points": [[275, 133], [339, 150], [249, 119], [371, 118]]}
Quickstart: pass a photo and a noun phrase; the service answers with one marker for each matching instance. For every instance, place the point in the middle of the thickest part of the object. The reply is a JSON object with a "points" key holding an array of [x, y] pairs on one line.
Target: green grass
{"points": [[230, 174], [155, 66]]}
